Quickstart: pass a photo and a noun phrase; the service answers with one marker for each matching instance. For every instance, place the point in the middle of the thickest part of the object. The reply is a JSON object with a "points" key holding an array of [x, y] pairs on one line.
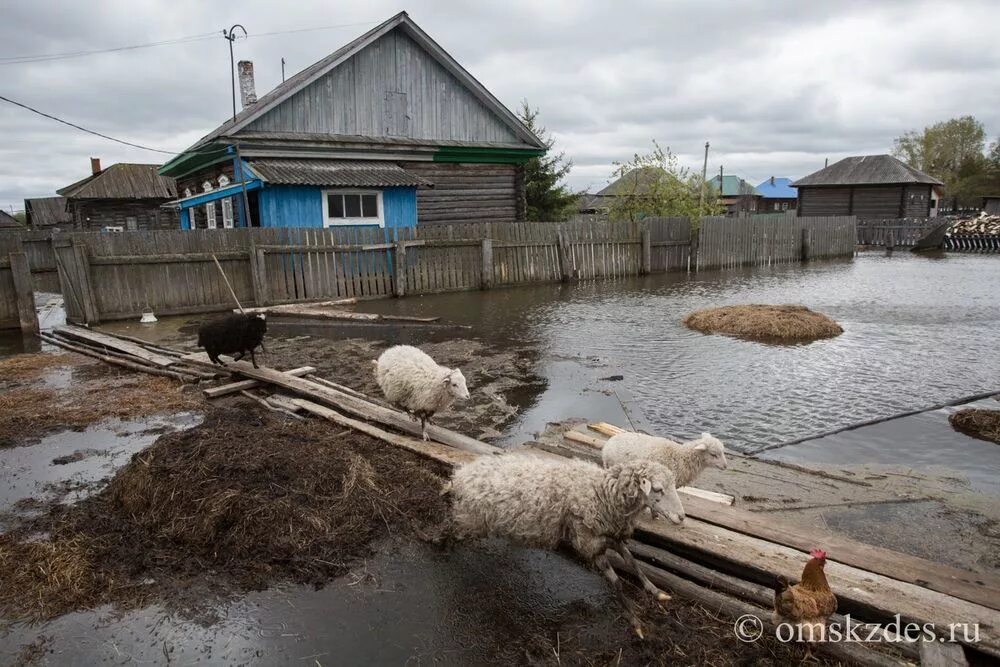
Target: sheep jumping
{"points": [[238, 334], [686, 461], [548, 503], [414, 382]]}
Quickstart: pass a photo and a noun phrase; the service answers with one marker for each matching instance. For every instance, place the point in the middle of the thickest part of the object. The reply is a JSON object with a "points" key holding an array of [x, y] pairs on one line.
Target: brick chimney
{"points": [[95, 165], [772, 181], [248, 95]]}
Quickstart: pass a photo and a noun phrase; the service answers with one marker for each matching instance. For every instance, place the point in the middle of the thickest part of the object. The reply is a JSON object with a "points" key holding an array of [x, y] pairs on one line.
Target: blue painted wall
{"points": [[302, 206]]}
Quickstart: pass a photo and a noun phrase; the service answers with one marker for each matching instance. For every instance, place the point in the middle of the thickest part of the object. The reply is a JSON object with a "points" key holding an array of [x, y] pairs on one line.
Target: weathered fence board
{"points": [[894, 233], [763, 240]]}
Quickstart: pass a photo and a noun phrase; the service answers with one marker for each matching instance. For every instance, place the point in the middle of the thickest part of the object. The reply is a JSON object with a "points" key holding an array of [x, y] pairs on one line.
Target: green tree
{"points": [[951, 151], [654, 184], [548, 199], [20, 216]]}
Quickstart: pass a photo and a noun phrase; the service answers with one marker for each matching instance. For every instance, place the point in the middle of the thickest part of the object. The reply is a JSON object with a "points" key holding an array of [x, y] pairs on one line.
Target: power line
{"points": [[322, 27], [19, 60]]}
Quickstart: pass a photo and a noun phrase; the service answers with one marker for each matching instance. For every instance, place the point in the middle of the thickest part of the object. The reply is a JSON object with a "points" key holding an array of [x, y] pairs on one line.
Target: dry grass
{"points": [[978, 423], [243, 500], [30, 412], [32, 366], [783, 324]]}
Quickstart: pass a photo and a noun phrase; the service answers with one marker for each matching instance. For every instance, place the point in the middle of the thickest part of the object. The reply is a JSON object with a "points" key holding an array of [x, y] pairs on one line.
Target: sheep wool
{"points": [[410, 379], [686, 461], [543, 503], [238, 334]]}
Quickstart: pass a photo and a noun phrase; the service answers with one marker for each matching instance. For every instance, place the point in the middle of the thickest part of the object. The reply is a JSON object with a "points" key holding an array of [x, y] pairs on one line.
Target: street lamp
{"points": [[231, 37]]}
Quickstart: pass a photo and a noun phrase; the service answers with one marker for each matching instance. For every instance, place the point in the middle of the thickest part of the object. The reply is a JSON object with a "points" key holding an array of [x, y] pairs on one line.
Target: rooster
{"points": [[808, 604]]}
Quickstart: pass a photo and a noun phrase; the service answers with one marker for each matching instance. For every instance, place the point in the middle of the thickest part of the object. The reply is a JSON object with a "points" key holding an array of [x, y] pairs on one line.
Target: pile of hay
{"points": [[241, 501], [781, 324], [977, 422]]}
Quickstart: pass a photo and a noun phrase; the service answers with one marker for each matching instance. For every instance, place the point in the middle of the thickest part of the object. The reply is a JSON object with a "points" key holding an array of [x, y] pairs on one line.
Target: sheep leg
{"points": [[604, 566], [215, 359], [646, 583], [240, 355], [253, 358], [423, 427]]}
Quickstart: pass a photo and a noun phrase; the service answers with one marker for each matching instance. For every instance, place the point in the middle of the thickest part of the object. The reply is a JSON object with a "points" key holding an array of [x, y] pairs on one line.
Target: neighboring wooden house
{"points": [[123, 197], [47, 213], [868, 186], [777, 195], [735, 194], [389, 130], [636, 183], [991, 204], [9, 223]]}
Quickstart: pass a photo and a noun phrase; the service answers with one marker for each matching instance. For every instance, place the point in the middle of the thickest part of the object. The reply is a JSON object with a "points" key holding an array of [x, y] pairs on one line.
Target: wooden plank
{"points": [[941, 654], [486, 272], [243, 385], [114, 343], [356, 406], [24, 296], [856, 587], [582, 438]]}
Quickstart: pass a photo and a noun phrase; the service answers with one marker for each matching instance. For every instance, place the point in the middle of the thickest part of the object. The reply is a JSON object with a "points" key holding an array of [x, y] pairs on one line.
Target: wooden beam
{"points": [[115, 343], [605, 428], [582, 438], [244, 385], [24, 295], [975, 587], [859, 590], [352, 404], [710, 496], [86, 292], [303, 304], [432, 450], [116, 360], [399, 269], [941, 654]]}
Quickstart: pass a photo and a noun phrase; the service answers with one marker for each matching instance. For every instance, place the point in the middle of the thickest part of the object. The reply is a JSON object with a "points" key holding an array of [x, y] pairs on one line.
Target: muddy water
{"points": [[918, 331]]}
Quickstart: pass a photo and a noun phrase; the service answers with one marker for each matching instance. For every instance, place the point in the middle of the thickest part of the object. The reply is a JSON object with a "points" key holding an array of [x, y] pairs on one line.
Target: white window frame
{"points": [[210, 215], [223, 181], [227, 213], [338, 222]]}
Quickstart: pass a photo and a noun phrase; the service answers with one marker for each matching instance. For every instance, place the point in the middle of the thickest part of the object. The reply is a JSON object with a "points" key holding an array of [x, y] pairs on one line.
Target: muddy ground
{"points": [[243, 502]]}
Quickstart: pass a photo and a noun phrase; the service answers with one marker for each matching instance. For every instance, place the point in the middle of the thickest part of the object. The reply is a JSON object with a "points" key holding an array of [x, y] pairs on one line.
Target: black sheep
{"points": [[237, 333]]}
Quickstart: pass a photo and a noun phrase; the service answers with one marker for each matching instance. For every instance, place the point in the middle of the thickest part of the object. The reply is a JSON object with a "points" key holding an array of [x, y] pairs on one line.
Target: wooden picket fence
{"points": [[109, 276], [894, 233], [973, 243], [17, 298]]}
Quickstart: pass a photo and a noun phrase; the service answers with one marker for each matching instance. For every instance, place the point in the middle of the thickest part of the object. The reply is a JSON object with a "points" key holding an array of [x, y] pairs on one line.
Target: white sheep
{"points": [[414, 382], [546, 503], [686, 460]]}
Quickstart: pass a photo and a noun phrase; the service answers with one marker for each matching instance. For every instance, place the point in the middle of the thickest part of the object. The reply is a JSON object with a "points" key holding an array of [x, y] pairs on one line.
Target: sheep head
{"points": [[656, 488], [712, 450], [454, 381]]}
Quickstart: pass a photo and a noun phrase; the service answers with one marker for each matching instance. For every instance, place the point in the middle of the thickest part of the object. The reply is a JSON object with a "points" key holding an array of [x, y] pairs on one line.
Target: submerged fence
{"points": [[108, 276]]}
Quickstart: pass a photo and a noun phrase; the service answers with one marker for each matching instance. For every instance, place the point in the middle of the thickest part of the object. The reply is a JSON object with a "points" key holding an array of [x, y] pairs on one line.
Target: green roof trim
{"points": [[486, 155], [192, 161]]}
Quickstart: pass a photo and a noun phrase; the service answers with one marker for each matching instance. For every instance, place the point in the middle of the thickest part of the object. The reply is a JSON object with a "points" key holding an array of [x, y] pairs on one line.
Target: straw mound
{"points": [[29, 412], [978, 423], [784, 324], [241, 501], [31, 366]]}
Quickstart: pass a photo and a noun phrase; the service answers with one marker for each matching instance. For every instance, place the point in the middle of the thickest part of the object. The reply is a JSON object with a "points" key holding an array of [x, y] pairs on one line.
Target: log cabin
{"points": [[122, 197], [387, 131]]}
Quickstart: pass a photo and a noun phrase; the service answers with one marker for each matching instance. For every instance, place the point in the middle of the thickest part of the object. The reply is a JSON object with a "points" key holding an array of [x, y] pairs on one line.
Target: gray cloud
{"points": [[776, 87]]}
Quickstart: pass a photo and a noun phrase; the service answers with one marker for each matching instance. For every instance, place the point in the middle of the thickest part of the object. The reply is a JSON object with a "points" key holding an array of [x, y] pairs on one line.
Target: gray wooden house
{"points": [[387, 131], [9, 223], [868, 186], [47, 213], [123, 197]]}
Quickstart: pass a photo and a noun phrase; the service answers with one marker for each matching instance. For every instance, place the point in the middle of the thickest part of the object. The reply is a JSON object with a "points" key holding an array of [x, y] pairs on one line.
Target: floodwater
{"points": [[918, 331]]}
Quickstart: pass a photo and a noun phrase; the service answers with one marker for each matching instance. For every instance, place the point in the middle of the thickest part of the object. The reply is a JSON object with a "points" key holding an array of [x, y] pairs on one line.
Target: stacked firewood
{"points": [[984, 223]]}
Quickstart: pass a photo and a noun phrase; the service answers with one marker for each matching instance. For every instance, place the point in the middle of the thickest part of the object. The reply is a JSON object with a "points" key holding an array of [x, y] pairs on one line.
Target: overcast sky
{"points": [[776, 87]]}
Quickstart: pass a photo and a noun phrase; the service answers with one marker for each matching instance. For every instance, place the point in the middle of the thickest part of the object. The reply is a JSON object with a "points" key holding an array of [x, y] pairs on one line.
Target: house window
{"points": [[131, 223], [784, 206], [223, 181], [358, 207], [227, 212], [210, 215], [777, 206]]}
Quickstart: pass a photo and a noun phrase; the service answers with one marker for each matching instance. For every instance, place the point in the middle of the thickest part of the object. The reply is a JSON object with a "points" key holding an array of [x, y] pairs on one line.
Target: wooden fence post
{"points": [[646, 260], [23, 292], [399, 268], [486, 280], [693, 248], [255, 275], [86, 291], [806, 243], [565, 261]]}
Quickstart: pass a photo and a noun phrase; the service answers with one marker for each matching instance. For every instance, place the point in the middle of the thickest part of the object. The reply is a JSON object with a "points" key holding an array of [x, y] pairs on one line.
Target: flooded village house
{"points": [[47, 213], [870, 187], [122, 197], [389, 130]]}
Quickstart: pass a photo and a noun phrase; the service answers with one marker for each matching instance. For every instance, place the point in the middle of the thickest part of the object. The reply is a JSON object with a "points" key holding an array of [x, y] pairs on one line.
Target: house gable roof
{"points": [[867, 170], [7, 221], [733, 186], [781, 188], [248, 117], [123, 181]]}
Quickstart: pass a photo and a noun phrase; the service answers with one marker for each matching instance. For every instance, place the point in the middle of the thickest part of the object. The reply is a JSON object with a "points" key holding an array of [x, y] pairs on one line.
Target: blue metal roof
{"points": [[781, 188]]}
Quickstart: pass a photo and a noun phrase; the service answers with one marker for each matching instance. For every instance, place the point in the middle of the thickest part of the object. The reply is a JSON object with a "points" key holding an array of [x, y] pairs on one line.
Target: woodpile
{"points": [[984, 223]]}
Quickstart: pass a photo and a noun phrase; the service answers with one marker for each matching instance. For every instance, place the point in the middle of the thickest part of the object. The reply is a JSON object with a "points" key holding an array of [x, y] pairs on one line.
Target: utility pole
{"points": [[282, 70], [704, 175], [231, 37]]}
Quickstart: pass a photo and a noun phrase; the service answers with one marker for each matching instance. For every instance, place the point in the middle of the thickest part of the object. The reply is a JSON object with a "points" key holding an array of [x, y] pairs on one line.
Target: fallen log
{"points": [[733, 608], [358, 407], [234, 387], [432, 450], [345, 315], [115, 361]]}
